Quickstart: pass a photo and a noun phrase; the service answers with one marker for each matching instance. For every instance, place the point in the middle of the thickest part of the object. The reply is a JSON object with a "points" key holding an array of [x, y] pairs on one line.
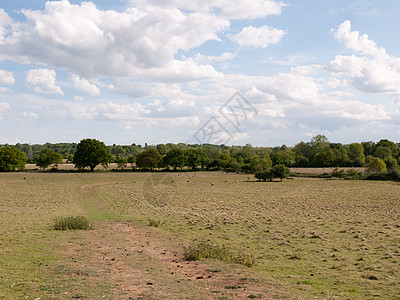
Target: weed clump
{"points": [[72, 223], [154, 223], [206, 249]]}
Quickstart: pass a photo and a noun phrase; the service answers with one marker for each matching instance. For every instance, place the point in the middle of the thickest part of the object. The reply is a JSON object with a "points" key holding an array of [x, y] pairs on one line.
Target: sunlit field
{"points": [[329, 239]]}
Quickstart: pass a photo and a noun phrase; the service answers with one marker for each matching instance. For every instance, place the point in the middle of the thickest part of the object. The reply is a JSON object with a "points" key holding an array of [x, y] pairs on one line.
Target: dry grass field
{"points": [[310, 238]]}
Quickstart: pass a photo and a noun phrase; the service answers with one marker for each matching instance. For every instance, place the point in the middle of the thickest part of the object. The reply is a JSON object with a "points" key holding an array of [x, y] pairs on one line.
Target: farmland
{"points": [[310, 238]]}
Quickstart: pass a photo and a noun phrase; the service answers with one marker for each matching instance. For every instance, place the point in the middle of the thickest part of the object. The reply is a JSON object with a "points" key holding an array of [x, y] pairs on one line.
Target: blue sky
{"points": [[146, 71]]}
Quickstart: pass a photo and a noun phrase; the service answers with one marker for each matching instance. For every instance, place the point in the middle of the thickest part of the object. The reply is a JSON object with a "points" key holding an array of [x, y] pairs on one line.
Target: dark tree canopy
{"points": [[175, 158], [11, 159], [149, 159], [280, 171], [90, 153], [48, 157], [196, 157]]}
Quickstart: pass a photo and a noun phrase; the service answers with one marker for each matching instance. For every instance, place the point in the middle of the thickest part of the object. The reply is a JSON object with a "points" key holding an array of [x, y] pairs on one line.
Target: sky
{"points": [[230, 72]]}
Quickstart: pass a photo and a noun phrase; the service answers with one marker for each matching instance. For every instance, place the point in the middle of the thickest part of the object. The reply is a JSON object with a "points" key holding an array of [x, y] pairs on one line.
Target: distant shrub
{"points": [[338, 173], [325, 175], [395, 175], [265, 175], [206, 249], [72, 223], [354, 174]]}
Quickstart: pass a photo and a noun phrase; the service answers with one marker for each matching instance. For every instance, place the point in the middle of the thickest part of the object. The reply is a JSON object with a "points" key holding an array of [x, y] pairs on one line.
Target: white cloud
{"points": [[30, 115], [293, 87], [231, 9], [4, 107], [43, 81], [109, 110], [354, 110], [7, 77], [374, 71], [305, 70], [85, 86], [353, 40], [138, 42], [259, 37], [78, 98], [5, 20], [200, 58]]}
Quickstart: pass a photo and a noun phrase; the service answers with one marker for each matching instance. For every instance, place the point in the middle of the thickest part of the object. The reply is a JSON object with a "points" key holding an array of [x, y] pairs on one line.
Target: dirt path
{"points": [[142, 262]]}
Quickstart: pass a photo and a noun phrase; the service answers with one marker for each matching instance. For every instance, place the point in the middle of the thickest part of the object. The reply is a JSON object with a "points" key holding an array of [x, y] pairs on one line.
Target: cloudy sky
{"points": [[219, 71]]}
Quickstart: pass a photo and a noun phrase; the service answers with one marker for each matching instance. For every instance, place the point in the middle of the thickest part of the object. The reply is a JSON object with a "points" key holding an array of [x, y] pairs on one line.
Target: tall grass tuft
{"points": [[206, 249], [72, 223], [154, 223]]}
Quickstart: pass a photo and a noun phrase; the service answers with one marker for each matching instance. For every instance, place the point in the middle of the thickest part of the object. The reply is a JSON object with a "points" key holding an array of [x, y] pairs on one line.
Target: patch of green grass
{"points": [[205, 249], [255, 296], [214, 270], [234, 287], [72, 223], [154, 223]]}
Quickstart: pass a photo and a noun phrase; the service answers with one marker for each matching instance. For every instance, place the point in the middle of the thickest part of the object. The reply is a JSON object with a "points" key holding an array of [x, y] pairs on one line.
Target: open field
{"points": [[310, 238]]}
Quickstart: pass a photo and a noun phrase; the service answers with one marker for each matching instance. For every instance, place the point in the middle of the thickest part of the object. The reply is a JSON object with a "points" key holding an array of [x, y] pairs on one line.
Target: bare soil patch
{"points": [[143, 262]]}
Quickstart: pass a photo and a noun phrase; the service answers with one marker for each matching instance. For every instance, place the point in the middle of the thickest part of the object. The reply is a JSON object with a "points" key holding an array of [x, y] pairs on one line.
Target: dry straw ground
{"points": [[311, 238]]}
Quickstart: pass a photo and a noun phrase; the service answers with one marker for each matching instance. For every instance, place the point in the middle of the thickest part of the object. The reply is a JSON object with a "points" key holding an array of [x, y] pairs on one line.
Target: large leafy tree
{"points": [[196, 157], [375, 165], [90, 153], [175, 158], [260, 164], [149, 159], [356, 154], [11, 159], [280, 171], [47, 157]]}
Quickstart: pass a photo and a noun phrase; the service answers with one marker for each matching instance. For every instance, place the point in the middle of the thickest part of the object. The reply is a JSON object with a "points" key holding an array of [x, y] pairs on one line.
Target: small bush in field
{"points": [[154, 223], [71, 223], [338, 173], [354, 174], [206, 249]]}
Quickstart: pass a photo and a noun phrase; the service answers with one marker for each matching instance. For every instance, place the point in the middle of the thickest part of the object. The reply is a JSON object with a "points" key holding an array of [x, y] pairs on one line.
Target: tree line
{"points": [[383, 156]]}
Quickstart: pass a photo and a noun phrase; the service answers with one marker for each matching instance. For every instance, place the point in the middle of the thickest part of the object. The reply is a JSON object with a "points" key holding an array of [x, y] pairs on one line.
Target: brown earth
{"points": [[143, 262]]}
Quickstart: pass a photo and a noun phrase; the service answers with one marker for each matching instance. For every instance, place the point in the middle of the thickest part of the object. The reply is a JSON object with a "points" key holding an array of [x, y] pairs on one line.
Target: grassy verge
{"points": [[31, 263]]}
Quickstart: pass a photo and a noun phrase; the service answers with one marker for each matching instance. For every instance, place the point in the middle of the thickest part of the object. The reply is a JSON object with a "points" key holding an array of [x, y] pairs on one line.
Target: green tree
{"points": [[175, 158], [341, 155], [149, 159], [383, 152], [356, 154], [196, 157], [12, 159], [260, 164], [90, 153], [122, 162], [265, 175], [391, 164], [375, 165], [305, 150], [132, 160], [391, 145], [48, 157], [284, 157], [369, 148], [319, 140], [324, 158], [280, 171]]}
